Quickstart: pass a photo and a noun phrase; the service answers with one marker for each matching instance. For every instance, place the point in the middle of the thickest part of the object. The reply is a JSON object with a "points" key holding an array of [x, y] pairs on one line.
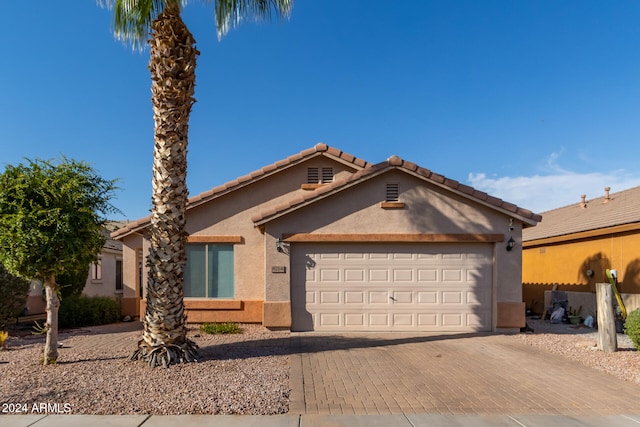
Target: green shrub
{"points": [[632, 327], [220, 328], [80, 310], [72, 282], [13, 296]]}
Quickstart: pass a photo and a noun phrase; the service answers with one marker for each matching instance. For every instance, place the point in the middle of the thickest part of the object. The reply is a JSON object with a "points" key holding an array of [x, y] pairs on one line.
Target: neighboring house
{"points": [[105, 275], [323, 240], [574, 245]]}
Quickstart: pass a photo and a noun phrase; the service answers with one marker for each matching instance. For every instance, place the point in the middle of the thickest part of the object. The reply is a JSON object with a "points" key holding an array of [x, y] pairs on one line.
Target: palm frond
{"points": [[230, 13], [133, 18]]}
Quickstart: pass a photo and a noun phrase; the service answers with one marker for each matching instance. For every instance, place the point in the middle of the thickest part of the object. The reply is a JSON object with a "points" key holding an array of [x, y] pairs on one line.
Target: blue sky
{"points": [[535, 102]]}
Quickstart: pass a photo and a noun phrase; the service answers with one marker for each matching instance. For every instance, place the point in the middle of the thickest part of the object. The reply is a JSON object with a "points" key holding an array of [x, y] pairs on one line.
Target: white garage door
{"points": [[391, 287]]}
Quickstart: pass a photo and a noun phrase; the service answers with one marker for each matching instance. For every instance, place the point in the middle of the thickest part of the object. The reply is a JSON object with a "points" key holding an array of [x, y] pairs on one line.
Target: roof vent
{"points": [[583, 202], [607, 198]]}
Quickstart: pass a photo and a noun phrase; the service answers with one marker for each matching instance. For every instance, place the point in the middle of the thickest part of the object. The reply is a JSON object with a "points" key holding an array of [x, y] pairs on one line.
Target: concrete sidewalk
{"points": [[399, 420]]}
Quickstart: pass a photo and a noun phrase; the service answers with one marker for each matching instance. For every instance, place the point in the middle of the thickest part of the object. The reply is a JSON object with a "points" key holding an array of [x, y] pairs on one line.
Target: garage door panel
{"points": [[376, 275], [452, 320], [428, 297], [310, 297], [330, 275], [378, 297], [356, 320], [449, 275], [403, 275], [403, 297], [430, 275], [449, 298], [379, 320], [330, 297], [329, 319], [411, 287], [354, 297], [403, 320], [427, 320], [354, 275]]}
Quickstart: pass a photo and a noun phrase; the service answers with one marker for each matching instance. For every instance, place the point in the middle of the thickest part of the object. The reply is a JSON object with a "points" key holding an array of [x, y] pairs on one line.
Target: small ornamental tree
{"points": [[72, 282], [13, 296], [51, 217]]}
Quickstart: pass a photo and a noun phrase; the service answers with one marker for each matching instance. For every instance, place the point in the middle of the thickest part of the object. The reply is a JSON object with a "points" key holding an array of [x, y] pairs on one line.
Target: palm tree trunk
{"points": [[172, 65]]}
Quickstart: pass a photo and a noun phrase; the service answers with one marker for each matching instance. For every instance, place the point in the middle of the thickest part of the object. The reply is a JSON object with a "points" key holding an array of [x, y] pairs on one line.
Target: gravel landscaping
{"points": [[579, 343], [236, 374], [246, 373]]}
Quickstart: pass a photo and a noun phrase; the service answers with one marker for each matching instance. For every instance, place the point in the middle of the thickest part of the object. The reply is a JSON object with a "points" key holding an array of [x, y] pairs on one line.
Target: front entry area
{"points": [[428, 287]]}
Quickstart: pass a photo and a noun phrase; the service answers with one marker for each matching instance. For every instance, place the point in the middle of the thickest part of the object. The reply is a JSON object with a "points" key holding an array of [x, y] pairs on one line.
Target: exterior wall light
{"points": [[510, 244], [279, 247]]}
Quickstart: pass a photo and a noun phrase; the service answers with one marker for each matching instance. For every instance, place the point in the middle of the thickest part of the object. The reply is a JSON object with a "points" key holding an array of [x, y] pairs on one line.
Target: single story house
{"points": [[104, 278], [574, 245], [326, 241]]}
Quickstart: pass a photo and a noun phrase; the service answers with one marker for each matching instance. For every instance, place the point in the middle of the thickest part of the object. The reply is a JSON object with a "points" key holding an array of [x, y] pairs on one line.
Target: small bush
{"points": [[221, 328], [80, 310], [13, 296], [632, 327], [3, 338]]}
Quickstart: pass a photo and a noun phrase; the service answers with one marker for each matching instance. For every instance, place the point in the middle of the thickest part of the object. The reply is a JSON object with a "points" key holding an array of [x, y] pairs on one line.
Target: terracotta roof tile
{"points": [[465, 189], [451, 183], [360, 163], [248, 178], [398, 163], [367, 170], [509, 207], [437, 178], [334, 151], [622, 208], [481, 195]]}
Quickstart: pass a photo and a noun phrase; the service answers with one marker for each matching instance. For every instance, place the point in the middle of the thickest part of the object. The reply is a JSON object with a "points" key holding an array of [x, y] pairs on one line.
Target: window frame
{"points": [[211, 283]]}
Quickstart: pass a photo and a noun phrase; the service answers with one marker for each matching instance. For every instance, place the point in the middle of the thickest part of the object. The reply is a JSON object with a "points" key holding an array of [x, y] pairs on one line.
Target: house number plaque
{"points": [[278, 269]]}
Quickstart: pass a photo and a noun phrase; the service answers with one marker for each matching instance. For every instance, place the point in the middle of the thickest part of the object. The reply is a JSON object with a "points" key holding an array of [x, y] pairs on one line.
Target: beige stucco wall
{"points": [[130, 303], [230, 215], [104, 287], [428, 209]]}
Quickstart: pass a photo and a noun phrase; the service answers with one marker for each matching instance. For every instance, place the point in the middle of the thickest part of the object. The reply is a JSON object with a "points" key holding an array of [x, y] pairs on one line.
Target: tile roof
{"points": [[317, 150], [529, 218], [110, 227], [621, 208]]}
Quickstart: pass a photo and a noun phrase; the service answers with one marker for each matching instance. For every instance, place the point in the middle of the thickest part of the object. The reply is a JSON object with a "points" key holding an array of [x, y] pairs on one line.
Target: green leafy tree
{"points": [[73, 281], [13, 296], [172, 64], [51, 217]]}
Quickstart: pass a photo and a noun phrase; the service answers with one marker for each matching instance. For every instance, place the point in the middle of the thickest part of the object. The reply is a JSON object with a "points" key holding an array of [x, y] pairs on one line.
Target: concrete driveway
{"points": [[487, 374]]}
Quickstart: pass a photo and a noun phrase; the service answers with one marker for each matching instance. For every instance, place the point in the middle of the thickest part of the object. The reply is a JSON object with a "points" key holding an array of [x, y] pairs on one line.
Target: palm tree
{"points": [[172, 64]]}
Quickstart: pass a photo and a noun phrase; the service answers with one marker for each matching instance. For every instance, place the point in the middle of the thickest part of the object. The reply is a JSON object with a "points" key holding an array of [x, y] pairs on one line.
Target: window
{"points": [[209, 271], [118, 275], [393, 193], [96, 270]]}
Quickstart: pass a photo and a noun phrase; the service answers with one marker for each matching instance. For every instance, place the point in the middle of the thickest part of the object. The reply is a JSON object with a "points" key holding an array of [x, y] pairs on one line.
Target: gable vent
{"points": [[313, 176], [327, 175], [393, 193]]}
